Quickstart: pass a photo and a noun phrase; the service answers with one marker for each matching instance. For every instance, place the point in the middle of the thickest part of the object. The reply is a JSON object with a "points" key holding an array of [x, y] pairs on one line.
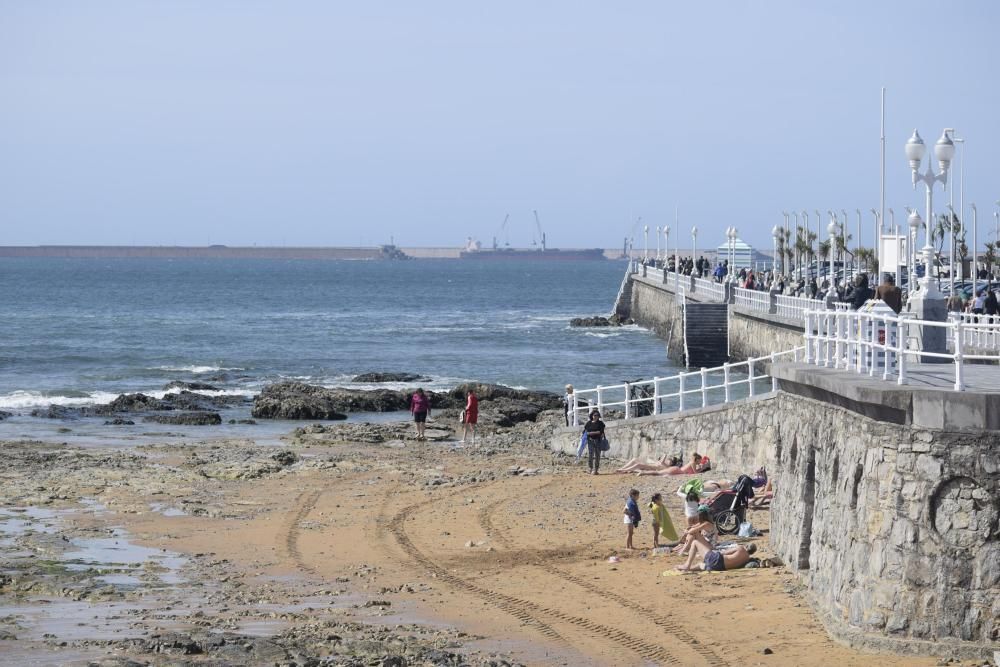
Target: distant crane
{"points": [[541, 234], [503, 230]]}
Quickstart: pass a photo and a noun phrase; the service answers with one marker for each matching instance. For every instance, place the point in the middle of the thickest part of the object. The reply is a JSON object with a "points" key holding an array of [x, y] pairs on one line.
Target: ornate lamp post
{"points": [[944, 150], [831, 291], [645, 243], [657, 258], [666, 245], [911, 252], [694, 246], [775, 233]]}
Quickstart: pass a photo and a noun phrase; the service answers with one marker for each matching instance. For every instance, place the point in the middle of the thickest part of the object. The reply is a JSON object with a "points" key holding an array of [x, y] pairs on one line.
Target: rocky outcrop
{"points": [[190, 386], [295, 400], [389, 377], [4, 414], [599, 321], [132, 403], [186, 418]]}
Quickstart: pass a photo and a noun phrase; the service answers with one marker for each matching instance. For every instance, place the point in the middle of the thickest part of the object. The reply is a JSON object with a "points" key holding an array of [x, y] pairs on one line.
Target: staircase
{"points": [[706, 334]]}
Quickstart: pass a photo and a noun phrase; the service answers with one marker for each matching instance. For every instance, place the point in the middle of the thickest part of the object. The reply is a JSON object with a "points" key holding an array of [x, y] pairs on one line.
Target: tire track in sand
{"points": [[526, 611], [486, 522], [304, 504]]}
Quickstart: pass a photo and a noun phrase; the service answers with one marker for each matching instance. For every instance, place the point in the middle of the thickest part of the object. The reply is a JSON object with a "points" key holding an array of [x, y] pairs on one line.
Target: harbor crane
{"points": [[503, 230], [541, 234]]}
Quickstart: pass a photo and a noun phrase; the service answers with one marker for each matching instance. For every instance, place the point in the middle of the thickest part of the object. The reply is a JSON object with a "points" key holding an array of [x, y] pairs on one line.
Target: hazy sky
{"points": [[335, 123]]}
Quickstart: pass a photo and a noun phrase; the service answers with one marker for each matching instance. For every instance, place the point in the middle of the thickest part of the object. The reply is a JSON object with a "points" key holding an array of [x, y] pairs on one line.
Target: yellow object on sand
{"points": [[672, 573], [662, 517]]}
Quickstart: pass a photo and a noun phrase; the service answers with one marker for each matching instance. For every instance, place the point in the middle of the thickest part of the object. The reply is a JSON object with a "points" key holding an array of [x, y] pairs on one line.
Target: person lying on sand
{"points": [[635, 465], [697, 464], [713, 559], [763, 500], [759, 480]]}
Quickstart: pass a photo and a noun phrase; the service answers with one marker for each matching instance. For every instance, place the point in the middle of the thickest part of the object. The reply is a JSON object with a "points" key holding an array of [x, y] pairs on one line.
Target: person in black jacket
{"points": [[862, 293], [595, 434]]}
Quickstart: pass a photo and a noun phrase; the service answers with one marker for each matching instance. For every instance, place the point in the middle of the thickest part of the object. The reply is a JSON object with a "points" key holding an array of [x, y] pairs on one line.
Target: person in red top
{"points": [[470, 416], [420, 406]]}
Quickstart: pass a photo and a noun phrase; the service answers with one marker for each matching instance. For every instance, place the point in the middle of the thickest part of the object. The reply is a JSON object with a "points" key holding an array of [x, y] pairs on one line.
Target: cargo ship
{"points": [[474, 250]]}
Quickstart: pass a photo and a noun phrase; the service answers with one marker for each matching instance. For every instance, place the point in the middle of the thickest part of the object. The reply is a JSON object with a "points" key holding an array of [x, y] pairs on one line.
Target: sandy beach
{"points": [[331, 550]]}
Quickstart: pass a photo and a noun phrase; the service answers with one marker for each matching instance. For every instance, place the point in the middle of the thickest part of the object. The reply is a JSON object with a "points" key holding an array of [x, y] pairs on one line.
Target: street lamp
{"points": [[805, 232], [911, 255], [774, 257], [784, 244], [798, 265], [975, 240], [694, 246], [944, 150], [831, 229], [657, 258], [645, 243], [666, 245]]}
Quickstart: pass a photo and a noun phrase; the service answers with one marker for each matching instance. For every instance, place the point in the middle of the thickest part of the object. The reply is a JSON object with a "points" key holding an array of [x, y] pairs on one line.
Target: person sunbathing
{"points": [[714, 559], [763, 501], [635, 465], [759, 480], [697, 464]]}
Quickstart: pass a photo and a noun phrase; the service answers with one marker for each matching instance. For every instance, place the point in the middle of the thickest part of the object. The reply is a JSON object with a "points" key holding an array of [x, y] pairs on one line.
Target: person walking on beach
{"points": [[470, 416], [420, 406], [631, 517], [595, 434], [662, 525]]}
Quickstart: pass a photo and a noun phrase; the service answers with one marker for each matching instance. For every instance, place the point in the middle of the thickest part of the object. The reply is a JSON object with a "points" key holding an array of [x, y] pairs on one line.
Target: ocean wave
{"points": [[23, 400], [196, 369], [594, 334]]}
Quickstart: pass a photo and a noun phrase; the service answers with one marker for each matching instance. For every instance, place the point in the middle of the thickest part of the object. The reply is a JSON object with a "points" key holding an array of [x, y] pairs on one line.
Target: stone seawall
{"points": [[894, 529], [654, 308], [755, 334]]}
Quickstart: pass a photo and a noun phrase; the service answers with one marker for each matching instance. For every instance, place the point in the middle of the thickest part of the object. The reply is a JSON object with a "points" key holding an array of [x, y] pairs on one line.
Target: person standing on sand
{"points": [[631, 517], [595, 433], [470, 416], [662, 525], [420, 406]]}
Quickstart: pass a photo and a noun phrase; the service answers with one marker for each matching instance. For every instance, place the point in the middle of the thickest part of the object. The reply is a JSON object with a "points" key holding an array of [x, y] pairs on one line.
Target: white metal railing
{"points": [[980, 332], [752, 299], [677, 393], [878, 343], [794, 307], [710, 289]]}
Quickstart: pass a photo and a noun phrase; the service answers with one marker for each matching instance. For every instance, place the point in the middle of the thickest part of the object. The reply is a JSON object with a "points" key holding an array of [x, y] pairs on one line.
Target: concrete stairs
{"points": [[706, 334]]}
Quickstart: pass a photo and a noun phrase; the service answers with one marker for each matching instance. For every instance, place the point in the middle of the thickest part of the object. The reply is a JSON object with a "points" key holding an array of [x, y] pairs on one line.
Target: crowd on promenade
{"points": [[856, 291]]}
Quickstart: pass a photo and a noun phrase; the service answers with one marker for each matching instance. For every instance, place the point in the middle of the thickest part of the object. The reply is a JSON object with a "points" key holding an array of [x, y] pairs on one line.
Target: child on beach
{"points": [[662, 525], [631, 517]]}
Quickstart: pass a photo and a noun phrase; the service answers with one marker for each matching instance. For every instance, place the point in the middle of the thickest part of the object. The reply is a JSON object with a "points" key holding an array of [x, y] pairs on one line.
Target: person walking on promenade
{"points": [[420, 407], [470, 416], [889, 293], [990, 305], [569, 402], [631, 517], [595, 434]]}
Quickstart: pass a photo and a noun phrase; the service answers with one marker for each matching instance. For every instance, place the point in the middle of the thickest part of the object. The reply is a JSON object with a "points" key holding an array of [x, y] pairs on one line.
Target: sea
{"points": [[76, 332]]}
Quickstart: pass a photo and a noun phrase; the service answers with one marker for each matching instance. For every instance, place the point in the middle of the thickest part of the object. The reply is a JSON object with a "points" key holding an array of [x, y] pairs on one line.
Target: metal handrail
{"points": [[978, 331], [752, 299], [794, 307], [710, 288], [878, 343], [693, 390]]}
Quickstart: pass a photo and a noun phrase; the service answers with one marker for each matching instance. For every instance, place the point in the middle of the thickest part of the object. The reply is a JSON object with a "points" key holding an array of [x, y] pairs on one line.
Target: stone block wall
{"points": [[654, 308], [894, 529], [753, 334]]}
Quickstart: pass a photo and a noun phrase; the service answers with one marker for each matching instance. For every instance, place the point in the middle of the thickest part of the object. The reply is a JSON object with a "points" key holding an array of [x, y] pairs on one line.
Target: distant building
{"points": [[745, 255]]}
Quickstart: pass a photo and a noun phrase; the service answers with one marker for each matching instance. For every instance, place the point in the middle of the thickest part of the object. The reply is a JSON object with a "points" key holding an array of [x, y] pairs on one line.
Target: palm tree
{"points": [[869, 258], [990, 257], [782, 246]]}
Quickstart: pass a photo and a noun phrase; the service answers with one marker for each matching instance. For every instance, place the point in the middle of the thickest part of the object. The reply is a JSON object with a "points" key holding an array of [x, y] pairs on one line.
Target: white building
{"points": [[745, 255]]}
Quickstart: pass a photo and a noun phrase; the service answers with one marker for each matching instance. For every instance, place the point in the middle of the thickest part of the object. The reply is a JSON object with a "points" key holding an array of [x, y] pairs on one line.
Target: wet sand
{"points": [[327, 550]]}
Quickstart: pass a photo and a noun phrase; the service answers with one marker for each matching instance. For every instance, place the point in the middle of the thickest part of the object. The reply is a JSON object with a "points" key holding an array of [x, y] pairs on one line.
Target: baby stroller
{"points": [[728, 509]]}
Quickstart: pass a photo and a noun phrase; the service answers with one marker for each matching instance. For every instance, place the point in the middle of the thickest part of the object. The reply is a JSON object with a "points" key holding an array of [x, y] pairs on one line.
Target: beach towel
{"points": [[583, 445]]}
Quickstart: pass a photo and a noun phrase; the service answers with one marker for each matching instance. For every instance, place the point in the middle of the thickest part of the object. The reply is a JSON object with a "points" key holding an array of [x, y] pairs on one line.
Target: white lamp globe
{"points": [[915, 150], [944, 150]]}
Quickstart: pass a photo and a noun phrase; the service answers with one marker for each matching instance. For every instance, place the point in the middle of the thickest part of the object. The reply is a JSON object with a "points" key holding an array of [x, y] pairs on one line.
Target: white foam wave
{"points": [[594, 334], [23, 400], [197, 369]]}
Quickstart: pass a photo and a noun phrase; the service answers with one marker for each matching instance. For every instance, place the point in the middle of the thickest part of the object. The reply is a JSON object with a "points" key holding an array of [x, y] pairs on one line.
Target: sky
{"points": [[424, 123]]}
